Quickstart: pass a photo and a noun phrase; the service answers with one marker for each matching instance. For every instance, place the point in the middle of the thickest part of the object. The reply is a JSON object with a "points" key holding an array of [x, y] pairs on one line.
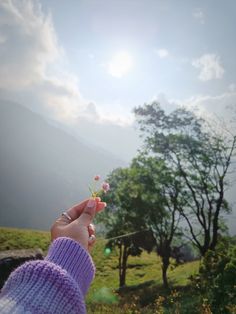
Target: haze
{"points": [[84, 65]]}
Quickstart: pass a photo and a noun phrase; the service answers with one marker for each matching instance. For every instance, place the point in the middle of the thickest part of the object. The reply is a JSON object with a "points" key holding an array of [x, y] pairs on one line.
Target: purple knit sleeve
{"points": [[72, 257], [56, 285]]}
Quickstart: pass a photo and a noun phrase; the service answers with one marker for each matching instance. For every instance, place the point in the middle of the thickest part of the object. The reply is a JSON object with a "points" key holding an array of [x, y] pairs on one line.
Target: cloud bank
{"points": [[28, 44], [33, 66], [34, 73], [32, 62]]}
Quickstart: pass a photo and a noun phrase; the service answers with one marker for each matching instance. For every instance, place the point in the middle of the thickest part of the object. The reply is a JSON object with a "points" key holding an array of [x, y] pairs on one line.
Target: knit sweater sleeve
{"points": [[57, 284]]}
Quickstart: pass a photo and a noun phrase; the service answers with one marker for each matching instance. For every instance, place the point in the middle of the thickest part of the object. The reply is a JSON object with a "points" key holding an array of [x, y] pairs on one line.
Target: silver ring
{"points": [[92, 237], [67, 215]]}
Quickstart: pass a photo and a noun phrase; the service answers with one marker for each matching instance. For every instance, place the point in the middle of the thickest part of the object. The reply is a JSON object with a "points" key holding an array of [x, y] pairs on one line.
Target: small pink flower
{"points": [[97, 178], [105, 187]]}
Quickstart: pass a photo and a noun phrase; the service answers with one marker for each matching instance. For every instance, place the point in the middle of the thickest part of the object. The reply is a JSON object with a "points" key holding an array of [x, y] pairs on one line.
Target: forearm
{"points": [[56, 285]]}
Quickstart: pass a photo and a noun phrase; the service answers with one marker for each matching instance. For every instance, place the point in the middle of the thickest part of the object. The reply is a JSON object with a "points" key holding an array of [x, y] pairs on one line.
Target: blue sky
{"points": [[92, 32], [87, 63]]}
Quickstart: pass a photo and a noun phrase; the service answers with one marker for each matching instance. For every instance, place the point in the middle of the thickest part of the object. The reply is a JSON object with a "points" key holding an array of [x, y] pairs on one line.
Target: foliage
{"points": [[216, 281], [160, 192], [199, 158], [144, 205], [123, 219]]}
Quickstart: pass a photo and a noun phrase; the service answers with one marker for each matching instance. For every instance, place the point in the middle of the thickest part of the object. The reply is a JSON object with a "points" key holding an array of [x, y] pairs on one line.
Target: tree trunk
{"points": [[122, 278], [216, 220], [120, 259], [165, 265], [123, 257]]}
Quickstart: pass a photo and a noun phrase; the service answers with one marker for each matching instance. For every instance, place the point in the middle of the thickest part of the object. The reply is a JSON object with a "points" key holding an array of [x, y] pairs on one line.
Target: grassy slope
{"points": [[23, 239], [143, 275]]}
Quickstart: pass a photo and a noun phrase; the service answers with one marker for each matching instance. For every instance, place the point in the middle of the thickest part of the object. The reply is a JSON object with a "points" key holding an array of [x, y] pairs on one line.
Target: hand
{"points": [[80, 227]]}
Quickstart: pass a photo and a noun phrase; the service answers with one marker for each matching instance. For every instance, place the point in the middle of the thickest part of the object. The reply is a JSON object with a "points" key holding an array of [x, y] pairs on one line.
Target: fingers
{"points": [[88, 214], [100, 206], [77, 209]]}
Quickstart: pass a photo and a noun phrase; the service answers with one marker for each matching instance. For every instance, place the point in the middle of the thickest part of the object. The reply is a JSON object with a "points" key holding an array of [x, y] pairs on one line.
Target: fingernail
{"points": [[91, 203]]}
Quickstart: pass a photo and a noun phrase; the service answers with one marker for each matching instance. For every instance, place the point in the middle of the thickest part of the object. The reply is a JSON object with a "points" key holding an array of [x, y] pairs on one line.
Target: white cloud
{"points": [[33, 65], [199, 15], [210, 67], [213, 107], [216, 108], [162, 53], [167, 104], [29, 44]]}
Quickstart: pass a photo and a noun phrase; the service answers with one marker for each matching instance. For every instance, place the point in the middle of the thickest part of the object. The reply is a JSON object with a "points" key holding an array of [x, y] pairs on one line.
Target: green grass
{"points": [[143, 278], [140, 269], [144, 283], [11, 238]]}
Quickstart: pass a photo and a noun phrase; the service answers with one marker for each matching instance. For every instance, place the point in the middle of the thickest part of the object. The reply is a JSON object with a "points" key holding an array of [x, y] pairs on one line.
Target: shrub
{"points": [[216, 281]]}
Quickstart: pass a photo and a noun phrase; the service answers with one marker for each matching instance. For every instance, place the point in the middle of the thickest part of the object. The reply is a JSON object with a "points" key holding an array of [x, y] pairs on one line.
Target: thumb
{"points": [[88, 214]]}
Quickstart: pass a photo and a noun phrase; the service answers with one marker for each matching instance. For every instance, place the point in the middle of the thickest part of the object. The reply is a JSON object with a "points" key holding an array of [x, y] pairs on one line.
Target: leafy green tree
{"points": [[200, 160], [159, 191], [146, 201], [125, 230]]}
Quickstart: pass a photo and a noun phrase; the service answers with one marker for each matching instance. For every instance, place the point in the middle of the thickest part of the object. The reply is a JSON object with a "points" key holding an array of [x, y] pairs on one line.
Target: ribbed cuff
{"points": [[72, 257]]}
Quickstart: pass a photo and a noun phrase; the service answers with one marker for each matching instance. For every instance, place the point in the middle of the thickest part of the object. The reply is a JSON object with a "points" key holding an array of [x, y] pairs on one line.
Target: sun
{"points": [[120, 64]]}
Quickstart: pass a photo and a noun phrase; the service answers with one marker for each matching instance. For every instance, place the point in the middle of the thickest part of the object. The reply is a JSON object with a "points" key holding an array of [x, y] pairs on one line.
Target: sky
{"points": [[87, 63]]}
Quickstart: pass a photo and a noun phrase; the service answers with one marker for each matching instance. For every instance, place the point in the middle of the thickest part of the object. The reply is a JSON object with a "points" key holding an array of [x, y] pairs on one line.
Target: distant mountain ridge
{"points": [[43, 169]]}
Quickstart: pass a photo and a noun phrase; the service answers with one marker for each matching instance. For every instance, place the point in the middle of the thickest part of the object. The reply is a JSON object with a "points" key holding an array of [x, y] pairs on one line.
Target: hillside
{"points": [[42, 168], [143, 276]]}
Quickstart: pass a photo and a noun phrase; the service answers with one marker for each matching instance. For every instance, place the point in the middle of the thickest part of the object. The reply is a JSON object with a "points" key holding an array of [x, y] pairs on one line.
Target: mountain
{"points": [[43, 169]]}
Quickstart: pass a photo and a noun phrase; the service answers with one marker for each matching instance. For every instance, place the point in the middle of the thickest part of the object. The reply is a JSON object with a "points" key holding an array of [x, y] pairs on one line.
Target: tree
{"points": [[145, 200], [200, 159], [129, 245], [125, 230], [161, 199]]}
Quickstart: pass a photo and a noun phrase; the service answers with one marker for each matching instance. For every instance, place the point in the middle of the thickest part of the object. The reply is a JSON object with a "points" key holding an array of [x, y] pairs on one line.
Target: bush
{"points": [[216, 281]]}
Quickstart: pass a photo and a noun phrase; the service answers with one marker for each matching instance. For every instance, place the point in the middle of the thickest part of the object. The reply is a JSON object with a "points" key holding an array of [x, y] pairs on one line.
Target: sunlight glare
{"points": [[120, 64]]}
